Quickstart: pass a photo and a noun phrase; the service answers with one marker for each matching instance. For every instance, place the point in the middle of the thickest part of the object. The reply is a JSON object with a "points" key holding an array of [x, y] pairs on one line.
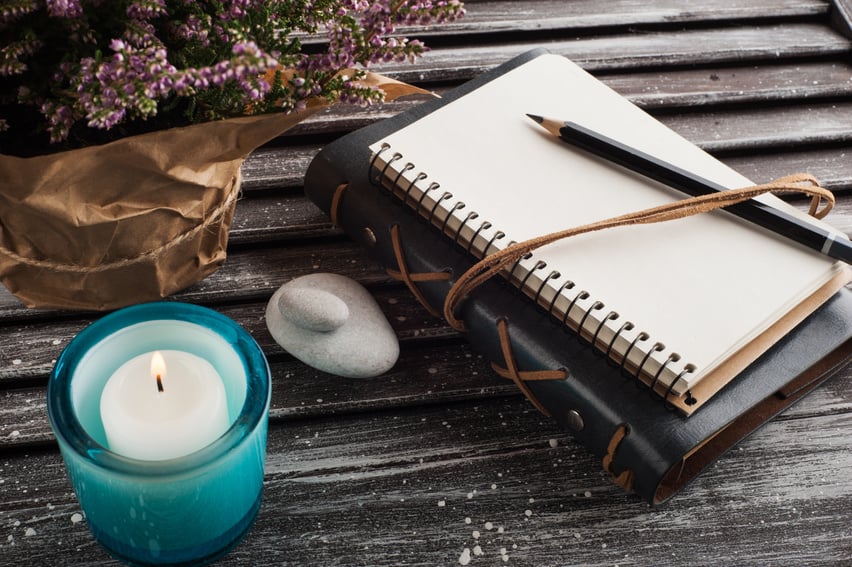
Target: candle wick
{"points": [[159, 383]]}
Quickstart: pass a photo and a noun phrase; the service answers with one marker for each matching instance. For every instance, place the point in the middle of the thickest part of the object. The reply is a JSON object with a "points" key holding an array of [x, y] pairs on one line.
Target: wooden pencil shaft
{"points": [[764, 215]]}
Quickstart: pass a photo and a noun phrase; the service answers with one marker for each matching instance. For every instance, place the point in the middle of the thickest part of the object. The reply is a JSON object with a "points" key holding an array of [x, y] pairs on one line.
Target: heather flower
{"points": [[77, 65], [64, 8], [15, 9]]}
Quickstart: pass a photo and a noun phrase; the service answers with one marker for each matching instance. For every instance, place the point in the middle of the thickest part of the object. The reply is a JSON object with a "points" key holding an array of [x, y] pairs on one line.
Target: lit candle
{"points": [[163, 404], [185, 510]]}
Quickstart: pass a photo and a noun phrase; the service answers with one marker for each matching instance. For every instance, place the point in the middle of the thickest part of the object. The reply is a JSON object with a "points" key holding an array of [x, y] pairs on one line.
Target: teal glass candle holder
{"points": [[189, 509]]}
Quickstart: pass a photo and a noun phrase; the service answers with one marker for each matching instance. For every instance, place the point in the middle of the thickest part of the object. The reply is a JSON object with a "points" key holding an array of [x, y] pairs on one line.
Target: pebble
{"points": [[330, 322]]}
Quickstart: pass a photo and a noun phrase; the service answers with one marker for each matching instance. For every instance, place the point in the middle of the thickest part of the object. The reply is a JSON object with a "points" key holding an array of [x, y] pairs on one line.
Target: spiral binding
{"points": [[443, 212]]}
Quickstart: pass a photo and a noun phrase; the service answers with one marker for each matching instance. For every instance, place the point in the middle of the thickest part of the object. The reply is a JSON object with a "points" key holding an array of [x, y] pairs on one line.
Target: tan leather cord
{"points": [[626, 477], [335, 203], [520, 377], [410, 279], [494, 263]]}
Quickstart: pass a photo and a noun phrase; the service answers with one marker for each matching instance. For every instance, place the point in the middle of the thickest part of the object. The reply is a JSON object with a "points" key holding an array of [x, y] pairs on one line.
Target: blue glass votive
{"points": [[186, 510]]}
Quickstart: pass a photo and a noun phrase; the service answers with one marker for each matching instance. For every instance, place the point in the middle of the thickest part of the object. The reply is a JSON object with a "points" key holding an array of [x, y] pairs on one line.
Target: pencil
{"points": [[759, 213]]}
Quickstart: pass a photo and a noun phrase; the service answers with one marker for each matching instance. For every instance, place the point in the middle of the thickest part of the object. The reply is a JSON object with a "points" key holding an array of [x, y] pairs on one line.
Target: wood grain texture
{"points": [[398, 487], [638, 50], [440, 455], [490, 17], [495, 16]]}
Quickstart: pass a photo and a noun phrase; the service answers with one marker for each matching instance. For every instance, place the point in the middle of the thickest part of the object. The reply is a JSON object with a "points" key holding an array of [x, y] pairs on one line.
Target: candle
{"points": [[163, 404], [152, 509]]}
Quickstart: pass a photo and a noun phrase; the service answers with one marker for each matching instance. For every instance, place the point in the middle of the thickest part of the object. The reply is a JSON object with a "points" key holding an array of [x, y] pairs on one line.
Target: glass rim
{"points": [[69, 430]]}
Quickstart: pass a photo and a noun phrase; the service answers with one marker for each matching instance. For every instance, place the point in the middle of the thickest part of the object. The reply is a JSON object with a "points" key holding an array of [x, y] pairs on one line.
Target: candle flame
{"points": [[158, 369]]}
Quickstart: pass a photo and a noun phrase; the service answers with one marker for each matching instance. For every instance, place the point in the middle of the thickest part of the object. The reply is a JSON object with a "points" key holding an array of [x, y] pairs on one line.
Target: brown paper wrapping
{"points": [[130, 221]]}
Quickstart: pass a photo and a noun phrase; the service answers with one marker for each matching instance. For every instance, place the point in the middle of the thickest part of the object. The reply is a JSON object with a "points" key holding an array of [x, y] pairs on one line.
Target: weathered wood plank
{"points": [[636, 51], [291, 214], [397, 487], [253, 274], [277, 167], [766, 127], [799, 82], [832, 166], [425, 374], [770, 124], [656, 91], [273, 218], [430, 374], [28, 349], [496, 16], [278, 217]]}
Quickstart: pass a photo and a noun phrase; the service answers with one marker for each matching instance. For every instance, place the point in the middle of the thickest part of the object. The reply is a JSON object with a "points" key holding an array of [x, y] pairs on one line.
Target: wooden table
{"points": [[439, 455]]}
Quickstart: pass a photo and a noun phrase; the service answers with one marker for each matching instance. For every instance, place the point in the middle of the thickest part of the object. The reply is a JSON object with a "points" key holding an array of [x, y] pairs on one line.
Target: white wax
{"points": [[143, 422]]}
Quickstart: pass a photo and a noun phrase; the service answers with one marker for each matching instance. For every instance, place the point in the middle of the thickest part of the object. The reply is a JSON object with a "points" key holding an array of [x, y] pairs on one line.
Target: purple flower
{"points": [[206, 60], [64, 8]]}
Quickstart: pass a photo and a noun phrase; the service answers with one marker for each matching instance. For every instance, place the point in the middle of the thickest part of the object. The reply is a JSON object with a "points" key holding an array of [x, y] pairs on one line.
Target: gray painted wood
{"points": [[405, 468]]}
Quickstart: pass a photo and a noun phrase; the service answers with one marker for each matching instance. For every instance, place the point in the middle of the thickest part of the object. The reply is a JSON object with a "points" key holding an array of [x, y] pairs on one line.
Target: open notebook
{"points": [[684, 305]]}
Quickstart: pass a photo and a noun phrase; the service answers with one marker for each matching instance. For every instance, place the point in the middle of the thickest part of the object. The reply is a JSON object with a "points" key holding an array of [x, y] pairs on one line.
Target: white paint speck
{"points": [[554, 443], [493, 487], [467, 520], [464, 558], [76, 518], [477, 550], [475, 534], [30, 532], [442, 503], [527, 513], [588, 494], [17, 361], [489, 526]]}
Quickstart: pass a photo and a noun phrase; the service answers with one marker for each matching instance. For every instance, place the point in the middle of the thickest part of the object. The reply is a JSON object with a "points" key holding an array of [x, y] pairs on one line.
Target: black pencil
{"points": [[764, 215]]}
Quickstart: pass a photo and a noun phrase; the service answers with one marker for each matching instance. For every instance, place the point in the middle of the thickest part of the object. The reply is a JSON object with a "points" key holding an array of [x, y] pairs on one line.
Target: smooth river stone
{"points": [[330, 322]]}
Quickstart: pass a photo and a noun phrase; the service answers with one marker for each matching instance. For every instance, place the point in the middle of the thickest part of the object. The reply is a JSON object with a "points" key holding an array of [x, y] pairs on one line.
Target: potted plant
{"points": [[124, 125]]}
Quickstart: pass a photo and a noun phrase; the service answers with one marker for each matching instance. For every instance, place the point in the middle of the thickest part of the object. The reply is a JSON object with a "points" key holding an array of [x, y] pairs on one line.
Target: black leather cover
{"points": [[663, 448]]}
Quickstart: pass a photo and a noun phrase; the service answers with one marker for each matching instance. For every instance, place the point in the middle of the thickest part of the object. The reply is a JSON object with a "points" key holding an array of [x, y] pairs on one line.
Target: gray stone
{"points": [[333, 324], [312, 309]]}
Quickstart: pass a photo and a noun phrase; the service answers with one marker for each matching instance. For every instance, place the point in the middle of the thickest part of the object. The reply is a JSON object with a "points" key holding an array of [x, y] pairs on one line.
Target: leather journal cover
{"points": [[644, 445]]}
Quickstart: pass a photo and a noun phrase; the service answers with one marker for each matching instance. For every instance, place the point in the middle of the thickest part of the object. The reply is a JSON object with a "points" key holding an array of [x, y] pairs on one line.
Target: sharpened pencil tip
{"points": [[536, 118]]}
